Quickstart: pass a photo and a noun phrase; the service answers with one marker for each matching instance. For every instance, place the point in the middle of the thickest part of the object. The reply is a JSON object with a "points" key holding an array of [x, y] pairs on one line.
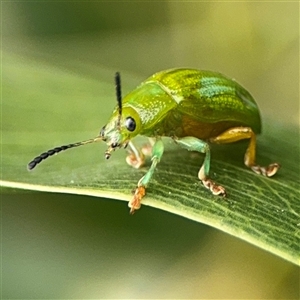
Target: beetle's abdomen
{"points": [[203, 130]]}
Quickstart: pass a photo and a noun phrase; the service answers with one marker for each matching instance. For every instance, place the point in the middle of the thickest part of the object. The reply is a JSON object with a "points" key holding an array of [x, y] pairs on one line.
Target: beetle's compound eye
{"points": [[130, 124], [114, 145]]}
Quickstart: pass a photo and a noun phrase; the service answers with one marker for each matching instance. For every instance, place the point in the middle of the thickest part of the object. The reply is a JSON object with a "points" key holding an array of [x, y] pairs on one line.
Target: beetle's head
{"points": [[120, 129], [123, 125]]}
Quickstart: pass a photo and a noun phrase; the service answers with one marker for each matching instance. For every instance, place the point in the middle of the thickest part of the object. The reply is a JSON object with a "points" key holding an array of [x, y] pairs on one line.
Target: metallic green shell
{"points": [[184, 101], [210, 97]]}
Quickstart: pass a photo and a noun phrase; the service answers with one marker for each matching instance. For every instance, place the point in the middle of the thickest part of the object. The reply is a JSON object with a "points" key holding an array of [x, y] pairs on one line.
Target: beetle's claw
{"points": [[268, 171], [216, 190], [135, 203]]}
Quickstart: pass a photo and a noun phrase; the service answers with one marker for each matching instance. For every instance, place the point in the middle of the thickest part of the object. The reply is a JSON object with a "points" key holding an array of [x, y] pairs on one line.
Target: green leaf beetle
{"points": [[192, 107]]}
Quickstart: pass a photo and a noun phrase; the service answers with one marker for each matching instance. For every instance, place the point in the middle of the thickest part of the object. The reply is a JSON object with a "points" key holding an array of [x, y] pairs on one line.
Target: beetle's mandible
{"points": [[192, 107]]}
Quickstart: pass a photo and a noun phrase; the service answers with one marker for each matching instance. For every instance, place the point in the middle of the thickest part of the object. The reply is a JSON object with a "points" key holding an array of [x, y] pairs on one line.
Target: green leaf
{"points": [[44, 106]]}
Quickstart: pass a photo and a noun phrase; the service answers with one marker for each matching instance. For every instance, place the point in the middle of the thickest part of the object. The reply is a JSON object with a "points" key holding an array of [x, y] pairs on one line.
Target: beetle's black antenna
{"points": [[56, 150], [119, 96]]}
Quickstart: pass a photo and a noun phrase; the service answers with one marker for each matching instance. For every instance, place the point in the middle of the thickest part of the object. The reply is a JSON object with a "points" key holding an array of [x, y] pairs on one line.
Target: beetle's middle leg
{"points": [[240, 133], [157, 152], [195, 144]]}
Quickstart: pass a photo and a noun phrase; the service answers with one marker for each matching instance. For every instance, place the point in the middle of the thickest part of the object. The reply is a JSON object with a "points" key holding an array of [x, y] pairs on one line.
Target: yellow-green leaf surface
{"points": [[45, 106]]}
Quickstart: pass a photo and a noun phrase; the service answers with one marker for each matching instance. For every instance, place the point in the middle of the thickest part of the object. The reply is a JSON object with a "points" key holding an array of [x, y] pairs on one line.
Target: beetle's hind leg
{"points": [[240, 133], [194, 144]]}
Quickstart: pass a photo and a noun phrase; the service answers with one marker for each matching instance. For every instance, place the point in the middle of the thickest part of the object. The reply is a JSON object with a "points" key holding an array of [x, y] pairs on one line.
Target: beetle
{"points": [[192, 107]]}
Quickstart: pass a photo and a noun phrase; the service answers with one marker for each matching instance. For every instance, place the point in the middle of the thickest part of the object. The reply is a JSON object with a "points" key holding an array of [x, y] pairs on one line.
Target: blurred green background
{"points": [[66, 246]]}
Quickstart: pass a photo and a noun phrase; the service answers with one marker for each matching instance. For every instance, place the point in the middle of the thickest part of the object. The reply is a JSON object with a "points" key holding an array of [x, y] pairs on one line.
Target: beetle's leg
{"points": [[147, 148], [157, 152], [194, 144], [240, 133], [135, 158]]}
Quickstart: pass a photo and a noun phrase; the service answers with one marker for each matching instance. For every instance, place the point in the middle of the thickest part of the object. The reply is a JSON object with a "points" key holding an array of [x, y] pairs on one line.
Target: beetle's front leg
{"points": [[194, 144], [137, 157], [157, 152]]}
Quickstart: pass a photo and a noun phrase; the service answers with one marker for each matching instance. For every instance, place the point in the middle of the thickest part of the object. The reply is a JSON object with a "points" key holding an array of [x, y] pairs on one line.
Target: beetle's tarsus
{"points": [[216, 189], [268, 171], [135, 203]]}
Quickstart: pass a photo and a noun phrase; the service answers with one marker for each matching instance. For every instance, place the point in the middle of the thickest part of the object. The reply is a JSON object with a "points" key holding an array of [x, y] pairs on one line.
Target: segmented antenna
{"points": [[119, 96], [56, 150]]}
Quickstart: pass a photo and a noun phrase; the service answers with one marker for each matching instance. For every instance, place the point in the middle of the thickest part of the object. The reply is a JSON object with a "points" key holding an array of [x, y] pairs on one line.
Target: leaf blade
{"points": [[262, 211]]}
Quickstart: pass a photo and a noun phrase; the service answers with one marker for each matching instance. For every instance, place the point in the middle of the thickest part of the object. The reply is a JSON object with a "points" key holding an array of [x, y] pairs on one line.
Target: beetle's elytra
{"points": [[192, 107]]}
